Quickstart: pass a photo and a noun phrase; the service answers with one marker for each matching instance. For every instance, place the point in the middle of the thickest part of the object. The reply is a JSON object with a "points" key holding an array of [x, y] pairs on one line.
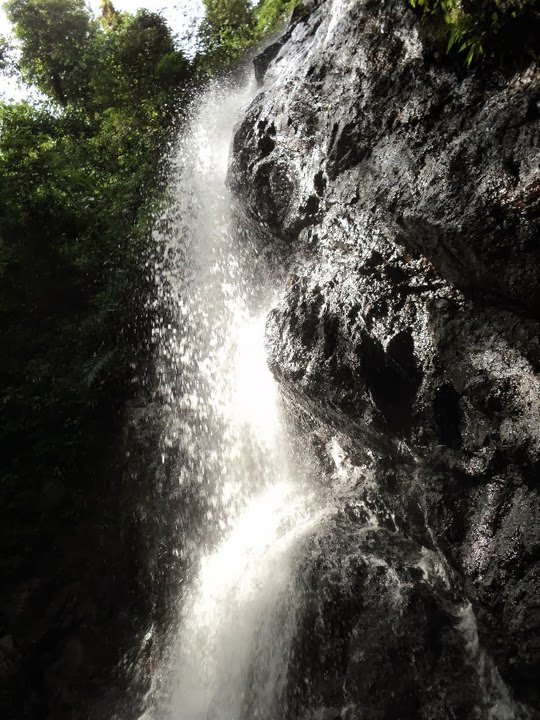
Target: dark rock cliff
{"points": [[402, 195]]}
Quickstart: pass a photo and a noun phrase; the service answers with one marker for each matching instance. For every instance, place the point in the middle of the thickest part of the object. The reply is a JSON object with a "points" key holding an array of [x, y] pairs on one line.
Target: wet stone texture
{"points": [[401, 195], [382, 634]]}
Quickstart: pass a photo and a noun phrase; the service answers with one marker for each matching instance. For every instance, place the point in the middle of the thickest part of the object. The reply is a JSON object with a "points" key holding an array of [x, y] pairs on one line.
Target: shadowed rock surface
{"points": [[402, 196], [383, 635]]}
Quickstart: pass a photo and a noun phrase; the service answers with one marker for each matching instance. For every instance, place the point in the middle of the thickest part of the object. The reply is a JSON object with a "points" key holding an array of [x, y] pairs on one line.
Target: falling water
{"points": [[247, 509]]}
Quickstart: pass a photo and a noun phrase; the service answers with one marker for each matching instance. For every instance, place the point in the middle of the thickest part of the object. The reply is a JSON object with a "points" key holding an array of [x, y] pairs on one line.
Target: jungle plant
{"points": [[231, 27], [485, 28]]}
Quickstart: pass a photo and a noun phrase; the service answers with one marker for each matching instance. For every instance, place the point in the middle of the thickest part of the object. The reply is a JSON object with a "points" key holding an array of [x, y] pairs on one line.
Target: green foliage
{"points": [[136, 66], [109, 15], [232, 27], [79, 176], [270, 13], [506, 29], [4, 53], [54, 35], [233, 14]]}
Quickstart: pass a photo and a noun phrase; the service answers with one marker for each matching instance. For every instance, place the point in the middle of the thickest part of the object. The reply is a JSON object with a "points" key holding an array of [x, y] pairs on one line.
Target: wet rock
{"points": [[6, 643], [381, 634], [52, 495], [71, 620], [401, 195], [263, 59]]}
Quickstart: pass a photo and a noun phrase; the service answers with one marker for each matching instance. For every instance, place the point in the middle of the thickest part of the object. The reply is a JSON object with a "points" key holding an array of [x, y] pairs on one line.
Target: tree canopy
{"points": [[231, 27], [234, 14], [55, 38]]}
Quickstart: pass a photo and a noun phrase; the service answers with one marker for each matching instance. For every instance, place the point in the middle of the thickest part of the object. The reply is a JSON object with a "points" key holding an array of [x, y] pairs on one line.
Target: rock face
{"points": [[383, 636], [402, 196]]}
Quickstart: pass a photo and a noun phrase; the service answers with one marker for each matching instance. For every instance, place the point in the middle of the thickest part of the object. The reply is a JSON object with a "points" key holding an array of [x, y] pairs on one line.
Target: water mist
{"points": [[228, 658]]}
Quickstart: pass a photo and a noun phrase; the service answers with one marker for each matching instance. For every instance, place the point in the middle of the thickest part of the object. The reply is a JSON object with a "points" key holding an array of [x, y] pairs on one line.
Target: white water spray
{"points": [[229, 657], [241, 613]]}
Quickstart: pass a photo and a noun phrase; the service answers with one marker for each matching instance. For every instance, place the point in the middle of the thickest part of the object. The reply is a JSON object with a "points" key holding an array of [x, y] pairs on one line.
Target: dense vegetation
{"points": [[231, 27], [507, 30], [77, 175], [79, 172]]}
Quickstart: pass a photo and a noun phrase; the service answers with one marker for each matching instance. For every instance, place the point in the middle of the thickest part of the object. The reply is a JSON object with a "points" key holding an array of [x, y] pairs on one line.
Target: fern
{"points": [[94, 367]]}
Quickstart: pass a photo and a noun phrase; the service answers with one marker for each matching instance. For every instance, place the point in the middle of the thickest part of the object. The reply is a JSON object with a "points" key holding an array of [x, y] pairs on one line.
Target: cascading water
{"points": [[247, 509]]}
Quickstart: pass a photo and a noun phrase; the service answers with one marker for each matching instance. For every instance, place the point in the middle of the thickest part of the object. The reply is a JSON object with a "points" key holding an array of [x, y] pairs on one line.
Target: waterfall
{"points": [[247, 508], [293, 603]]}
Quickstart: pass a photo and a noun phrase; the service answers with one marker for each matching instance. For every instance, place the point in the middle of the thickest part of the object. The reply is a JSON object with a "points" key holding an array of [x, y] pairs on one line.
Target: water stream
{"points": [[251, 508]]}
